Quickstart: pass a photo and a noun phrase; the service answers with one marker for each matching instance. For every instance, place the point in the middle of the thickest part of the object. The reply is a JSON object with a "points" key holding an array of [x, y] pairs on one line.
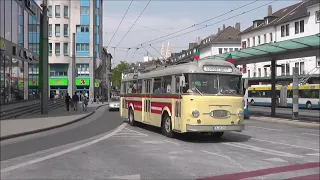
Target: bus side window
{"points": [[129, 87], [177, 84], [139, 86], [157, 86], [166, 84]]}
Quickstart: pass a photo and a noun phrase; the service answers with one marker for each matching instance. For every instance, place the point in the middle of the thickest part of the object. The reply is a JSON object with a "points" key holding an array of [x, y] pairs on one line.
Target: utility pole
{"points": [[108, 68], [94, 53], [295, 93], [43, 74], [73, 64]]}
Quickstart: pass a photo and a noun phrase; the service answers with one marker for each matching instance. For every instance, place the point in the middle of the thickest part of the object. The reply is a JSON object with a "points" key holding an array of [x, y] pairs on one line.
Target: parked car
{"points": [[114, 103]]}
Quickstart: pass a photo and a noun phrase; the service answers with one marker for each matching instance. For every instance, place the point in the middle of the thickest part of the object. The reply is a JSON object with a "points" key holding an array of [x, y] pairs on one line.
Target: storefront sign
{"points": [[58, 82], [2, 45], [96, 84], [83, 82]]}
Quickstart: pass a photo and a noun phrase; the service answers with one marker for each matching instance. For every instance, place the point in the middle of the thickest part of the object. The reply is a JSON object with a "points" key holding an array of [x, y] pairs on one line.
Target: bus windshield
{"points": [[215, 84]]}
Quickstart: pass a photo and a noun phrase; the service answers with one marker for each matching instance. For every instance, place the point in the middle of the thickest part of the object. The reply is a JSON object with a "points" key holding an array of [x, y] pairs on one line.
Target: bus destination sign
{"points": [[217, 69]]}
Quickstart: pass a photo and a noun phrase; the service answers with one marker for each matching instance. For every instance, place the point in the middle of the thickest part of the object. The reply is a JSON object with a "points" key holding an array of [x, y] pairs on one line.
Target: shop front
{"points": [[58, 86], [82, 85]]}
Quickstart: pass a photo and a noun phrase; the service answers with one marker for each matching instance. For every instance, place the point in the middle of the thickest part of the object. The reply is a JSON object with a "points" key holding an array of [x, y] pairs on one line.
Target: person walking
{"points": [[67, 99], [75, 99], [85, 103]]}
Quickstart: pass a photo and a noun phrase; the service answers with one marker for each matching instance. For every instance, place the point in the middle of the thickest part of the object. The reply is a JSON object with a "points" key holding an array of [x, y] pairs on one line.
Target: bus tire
{"points": [[252, 102], [308, 105], [132, 122], [217, 135], [166, 126]]}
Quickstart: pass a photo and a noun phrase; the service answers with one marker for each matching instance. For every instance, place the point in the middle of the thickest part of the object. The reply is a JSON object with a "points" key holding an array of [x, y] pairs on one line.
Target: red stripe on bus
{"points": [[137, 105], [165, 96], [263, 172], [157, 107]]}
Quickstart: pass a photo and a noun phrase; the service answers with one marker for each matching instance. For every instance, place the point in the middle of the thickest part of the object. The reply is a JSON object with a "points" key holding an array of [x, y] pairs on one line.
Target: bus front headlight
{"points": [[240, 113], [195, 113]]}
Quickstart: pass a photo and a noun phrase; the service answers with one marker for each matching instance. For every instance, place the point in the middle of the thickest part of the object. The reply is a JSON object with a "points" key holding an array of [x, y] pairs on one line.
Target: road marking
{"points": [[263, 150], [134, 176], [266, 128], [226, 157], [273, 142], [11, 168], [135, 131], [311, 134], [172, 142], [314, 154], [275, 160]]}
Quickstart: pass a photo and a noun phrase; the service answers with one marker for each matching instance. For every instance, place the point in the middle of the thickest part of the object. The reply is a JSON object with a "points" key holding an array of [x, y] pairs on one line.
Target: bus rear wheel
{"points": [[167, 126], [132, 122]]}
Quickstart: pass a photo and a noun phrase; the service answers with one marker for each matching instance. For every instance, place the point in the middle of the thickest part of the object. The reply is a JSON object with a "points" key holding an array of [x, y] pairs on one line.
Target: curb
{"points": [[48, 128], [285, 121]]}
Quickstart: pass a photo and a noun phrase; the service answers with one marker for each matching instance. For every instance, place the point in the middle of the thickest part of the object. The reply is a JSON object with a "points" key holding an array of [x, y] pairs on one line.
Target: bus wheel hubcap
{"points": [[167, 124]]}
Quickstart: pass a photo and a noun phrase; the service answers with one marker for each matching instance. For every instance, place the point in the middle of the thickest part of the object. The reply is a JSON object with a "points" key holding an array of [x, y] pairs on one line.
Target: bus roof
{"points": [[191, 67]]}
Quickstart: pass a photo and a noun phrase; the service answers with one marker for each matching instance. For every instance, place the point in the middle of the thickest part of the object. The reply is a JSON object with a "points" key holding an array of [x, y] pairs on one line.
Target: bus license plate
{"points": [[219, 128]]}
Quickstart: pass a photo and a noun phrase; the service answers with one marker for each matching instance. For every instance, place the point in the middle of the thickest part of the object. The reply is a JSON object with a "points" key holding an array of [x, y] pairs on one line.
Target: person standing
{"points": [[75, 99], [67, 101], [85, 103]]}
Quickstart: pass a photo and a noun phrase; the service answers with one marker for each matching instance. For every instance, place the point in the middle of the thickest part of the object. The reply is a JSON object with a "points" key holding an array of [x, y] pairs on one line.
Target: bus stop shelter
{"points": [[288, 49]]}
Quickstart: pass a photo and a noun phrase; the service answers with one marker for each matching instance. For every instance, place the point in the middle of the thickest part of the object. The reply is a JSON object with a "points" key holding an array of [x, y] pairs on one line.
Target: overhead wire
{"points": [[120, 23], [134, 23], [197, 24], [213, 23]]}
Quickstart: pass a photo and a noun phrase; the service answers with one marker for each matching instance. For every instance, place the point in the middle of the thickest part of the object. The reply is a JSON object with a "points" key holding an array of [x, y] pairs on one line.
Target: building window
{"points": [[82, 46], [285, 30], [287, 69], [259, 72], [249, 73], [301, 26], [244, 44], [265, 72], [66, 11], [248, 40], [50, 49], [282, 31], [283, 70], [225, 50], [259, 40], [57, 10], [271, 38], [236, 49], [49, 11], [57, 29], [65, 49], [265, 38], [318, 16], [220, 50], [230, 49], [302, 68], [253, 41], [57, 49], [66, 30], [82, 28], [296, 27], [50, 30], [84, 10]]}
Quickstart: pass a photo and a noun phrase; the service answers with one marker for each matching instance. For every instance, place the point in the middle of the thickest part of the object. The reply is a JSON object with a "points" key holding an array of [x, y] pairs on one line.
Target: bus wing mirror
{"points": [[245, 83], [182, 81]]}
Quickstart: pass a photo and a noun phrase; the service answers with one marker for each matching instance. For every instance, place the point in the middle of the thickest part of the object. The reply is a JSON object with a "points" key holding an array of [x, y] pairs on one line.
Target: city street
{"points": [[103, 147]]}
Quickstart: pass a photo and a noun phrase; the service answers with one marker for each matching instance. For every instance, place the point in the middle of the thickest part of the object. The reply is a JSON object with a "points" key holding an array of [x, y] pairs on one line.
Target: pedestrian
{"points": [[85, 103], [67, 101], [75, 99]]}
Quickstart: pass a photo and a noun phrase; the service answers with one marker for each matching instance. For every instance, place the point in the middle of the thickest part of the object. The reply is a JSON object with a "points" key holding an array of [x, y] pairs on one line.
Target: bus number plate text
{"points": [[219, 128]]}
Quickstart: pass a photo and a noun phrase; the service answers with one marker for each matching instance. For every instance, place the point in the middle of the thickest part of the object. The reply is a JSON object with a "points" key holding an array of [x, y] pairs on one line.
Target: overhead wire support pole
{"points": [[126, 55], [44, 58]]}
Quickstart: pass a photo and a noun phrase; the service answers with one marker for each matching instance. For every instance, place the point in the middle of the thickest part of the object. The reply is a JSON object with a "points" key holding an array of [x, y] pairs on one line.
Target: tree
{"points": [[117, 72]]}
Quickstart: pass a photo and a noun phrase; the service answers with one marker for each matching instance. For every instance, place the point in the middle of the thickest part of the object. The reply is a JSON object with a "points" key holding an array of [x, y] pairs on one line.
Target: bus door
{"points": [[177, 106], [147, 101], [123, 102], [283, 96]]}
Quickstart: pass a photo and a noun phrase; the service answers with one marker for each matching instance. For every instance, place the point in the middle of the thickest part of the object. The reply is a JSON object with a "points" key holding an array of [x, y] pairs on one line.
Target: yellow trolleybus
{"points": [[204, 96]]}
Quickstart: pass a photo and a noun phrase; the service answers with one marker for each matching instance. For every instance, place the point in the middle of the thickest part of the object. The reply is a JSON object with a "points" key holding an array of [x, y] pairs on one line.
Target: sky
{"points": [[164, 17]]}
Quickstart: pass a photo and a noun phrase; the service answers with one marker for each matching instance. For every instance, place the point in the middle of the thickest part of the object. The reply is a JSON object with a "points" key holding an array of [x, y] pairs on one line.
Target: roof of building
{"points": [[290, 13], [227, 35]]}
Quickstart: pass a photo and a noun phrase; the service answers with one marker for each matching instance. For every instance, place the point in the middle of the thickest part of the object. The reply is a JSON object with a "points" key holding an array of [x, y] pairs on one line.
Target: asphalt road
{"points": [[143, 153], [304, 114]]}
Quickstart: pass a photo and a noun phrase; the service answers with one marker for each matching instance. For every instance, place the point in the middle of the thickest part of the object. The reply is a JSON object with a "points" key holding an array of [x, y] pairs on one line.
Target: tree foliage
{"points": [[117, 71]]}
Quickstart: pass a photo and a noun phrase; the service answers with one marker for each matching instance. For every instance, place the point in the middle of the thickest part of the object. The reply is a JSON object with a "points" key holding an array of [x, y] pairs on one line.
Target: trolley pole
{"points": [[43, 74]]}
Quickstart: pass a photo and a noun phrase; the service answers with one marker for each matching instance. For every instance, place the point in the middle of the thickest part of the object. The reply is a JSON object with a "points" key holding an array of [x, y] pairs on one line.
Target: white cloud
{"points": [[147, 28]]}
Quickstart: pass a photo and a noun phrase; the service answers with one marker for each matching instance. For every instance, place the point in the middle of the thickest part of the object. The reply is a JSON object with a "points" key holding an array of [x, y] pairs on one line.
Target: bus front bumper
{"points": [[214, 128]]}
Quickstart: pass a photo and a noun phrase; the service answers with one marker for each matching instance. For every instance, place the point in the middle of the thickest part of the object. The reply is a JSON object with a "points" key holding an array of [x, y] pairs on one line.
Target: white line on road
{"points": [[273, 142], [263, 150], [226, 157], [310, 134], [266, 128], [172, 142], [11, 168], [136, 131], [314, 154]]}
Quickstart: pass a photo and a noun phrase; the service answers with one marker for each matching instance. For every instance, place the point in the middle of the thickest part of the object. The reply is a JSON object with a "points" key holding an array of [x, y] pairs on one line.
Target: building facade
{"points": [[19, 49], [84, 18], [299, 20]]}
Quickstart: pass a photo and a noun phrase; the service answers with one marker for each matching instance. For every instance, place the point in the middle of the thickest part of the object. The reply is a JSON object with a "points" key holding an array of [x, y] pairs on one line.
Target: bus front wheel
{"points": [[167, 126], [132, 122]]}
